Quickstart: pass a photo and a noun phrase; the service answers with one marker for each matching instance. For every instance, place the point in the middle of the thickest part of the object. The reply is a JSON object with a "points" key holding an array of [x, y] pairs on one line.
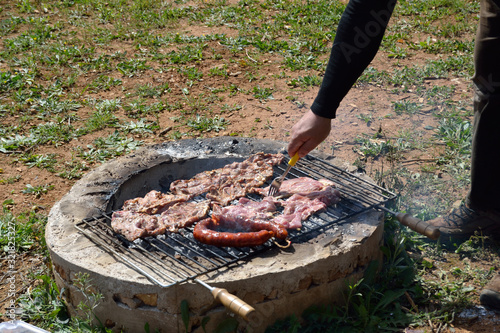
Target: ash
{"points": [[479, 313]]}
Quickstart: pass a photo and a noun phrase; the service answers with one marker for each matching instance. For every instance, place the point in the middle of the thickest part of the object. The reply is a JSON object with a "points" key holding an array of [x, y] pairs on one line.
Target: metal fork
{"points": [[276, 184]]}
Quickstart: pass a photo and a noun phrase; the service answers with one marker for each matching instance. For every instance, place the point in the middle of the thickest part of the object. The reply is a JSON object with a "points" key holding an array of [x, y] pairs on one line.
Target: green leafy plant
{"points": [[262, 93], [204, 124], [44, 306], [48, 161], [138, 127], [26, 230], [102, 83], [132, 67], [37, 190], [10, 180], [456, 134]]}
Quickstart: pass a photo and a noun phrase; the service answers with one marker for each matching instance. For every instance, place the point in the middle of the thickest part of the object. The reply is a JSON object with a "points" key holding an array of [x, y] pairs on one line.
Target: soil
{"points": [[271, 119]]}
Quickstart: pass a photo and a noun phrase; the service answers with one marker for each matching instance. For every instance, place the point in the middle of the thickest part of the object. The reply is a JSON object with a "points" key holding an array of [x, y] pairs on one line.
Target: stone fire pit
{"points": [[277, 283]]}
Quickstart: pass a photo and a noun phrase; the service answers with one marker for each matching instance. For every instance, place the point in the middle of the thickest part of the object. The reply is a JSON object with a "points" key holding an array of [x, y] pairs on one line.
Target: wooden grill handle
{"points": [[418, 225], [233, 303]]}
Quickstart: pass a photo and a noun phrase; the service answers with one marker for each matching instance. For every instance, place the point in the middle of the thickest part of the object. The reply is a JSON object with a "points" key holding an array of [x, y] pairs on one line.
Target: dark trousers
{"points": [[484, 192]]}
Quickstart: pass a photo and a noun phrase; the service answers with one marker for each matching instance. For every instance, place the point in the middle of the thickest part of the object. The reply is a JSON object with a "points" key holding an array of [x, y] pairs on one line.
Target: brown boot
{"points": [[490, 296], [463, 222]]}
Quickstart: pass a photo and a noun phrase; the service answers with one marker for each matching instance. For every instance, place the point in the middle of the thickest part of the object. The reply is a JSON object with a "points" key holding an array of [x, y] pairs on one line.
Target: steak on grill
{"points": [[232, 181], [154, 202], [246, 209], [134, 225], [254, 222], [300, 206], [184, 214], [300, 185], [297, 209]]}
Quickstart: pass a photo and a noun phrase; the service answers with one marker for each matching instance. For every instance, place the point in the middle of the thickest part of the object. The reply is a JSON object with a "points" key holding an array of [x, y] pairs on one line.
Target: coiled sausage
{"points": [[256, 232]]}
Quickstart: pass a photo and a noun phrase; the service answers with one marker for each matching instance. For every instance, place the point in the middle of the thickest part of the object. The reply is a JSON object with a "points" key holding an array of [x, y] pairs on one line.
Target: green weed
{"points": [[102, 83], [37, 190], [26, 231], [109, 147], [48, 161], [204, 124], [456, 133], [262, 94], [132, 67], [305, 81], [138, 127], [10, 180], [44, 306]]}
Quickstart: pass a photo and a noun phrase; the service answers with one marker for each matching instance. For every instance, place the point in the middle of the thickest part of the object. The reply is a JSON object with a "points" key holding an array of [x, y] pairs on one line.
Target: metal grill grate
{"points": [[177, 257]]}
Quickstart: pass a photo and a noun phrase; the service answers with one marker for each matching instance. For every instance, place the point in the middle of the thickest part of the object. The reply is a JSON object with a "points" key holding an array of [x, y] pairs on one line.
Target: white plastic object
{"points": [[19, 326]]}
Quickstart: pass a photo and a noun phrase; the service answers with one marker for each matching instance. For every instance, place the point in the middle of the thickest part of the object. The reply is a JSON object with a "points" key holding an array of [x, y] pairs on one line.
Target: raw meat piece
{"points": [[297, 209], [300, 185], [300, 206], [328, 196], [154, 202], [232, 181], [184, 214], [135, 225], [246, 209], [228, 191], [200, 183], [266, 205]]}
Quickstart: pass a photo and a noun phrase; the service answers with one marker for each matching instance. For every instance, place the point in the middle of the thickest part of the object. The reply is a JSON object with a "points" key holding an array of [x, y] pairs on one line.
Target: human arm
{"points": [[308, 133], [359, 34]]}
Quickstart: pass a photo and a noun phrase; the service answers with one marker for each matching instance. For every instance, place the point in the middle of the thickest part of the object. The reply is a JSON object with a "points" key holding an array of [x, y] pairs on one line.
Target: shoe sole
{"points": [[492, 231]]}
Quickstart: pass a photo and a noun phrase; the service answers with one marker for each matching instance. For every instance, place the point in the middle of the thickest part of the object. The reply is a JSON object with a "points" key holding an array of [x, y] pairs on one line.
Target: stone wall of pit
{"points": [[277, 284]]}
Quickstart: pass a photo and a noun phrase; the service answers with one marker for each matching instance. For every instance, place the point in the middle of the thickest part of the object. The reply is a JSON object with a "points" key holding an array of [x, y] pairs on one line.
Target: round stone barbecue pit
{"points": [[277, 283]]}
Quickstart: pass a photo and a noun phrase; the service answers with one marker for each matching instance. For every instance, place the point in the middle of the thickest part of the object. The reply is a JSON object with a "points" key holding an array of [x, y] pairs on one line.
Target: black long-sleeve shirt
{"points": [[359, 34]]}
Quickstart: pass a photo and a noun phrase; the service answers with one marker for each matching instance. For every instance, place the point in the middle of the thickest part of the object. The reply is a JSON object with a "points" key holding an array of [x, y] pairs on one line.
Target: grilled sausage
{"points": [[258, 232]]}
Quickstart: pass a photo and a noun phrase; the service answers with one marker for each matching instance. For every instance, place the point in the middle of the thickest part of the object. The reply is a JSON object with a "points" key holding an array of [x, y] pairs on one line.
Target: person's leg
{"points": [[484, 192], [481, 209]]}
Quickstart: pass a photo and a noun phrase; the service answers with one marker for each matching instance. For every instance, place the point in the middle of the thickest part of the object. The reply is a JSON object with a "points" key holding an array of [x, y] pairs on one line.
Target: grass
{"points": [[85, 81]]}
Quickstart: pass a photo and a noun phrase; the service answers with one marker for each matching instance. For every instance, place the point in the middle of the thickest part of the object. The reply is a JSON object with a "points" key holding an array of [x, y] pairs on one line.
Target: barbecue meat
{"points": [[198, 184], [311, 196], [184, 214], [154, 202], [266, 205], [300, 185], [246, 209], [329, 195], [135, 225], [297, 209], [232, 181], [248, 223]]}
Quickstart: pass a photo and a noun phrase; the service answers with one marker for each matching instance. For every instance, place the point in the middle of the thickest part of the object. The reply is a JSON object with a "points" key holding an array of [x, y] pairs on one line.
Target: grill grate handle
{"points": [[415, 224], [418, 225], [231, 302]]}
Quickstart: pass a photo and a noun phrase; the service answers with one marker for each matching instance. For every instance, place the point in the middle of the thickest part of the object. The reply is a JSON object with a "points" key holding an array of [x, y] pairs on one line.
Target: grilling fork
{"points": [[276, 184]]}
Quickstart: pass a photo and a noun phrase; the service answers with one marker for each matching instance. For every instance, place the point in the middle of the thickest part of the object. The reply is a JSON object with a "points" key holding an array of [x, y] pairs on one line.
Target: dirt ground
{"points": [[271, 119]]}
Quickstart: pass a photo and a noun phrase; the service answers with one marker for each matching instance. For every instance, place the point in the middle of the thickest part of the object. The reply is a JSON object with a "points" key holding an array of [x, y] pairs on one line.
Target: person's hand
{"points": [[308, 133]]}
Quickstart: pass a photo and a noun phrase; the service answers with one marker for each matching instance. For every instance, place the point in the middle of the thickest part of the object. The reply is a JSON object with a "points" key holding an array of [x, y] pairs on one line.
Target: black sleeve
{"points": [[359, 34]]}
